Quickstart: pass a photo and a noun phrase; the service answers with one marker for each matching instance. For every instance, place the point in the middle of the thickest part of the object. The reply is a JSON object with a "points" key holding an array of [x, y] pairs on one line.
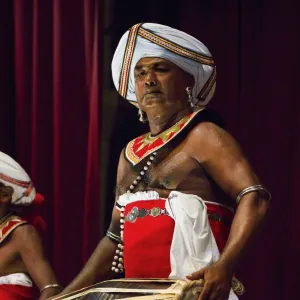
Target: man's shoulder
{"points": [[206, 129], [24, 234], [208, 140], [10, 225], [209, 133], [203, 124], [25, 230]]}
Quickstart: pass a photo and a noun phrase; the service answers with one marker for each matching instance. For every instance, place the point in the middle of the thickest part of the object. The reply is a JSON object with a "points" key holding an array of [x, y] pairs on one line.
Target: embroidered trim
{"points": [[28, 191], [9, 225], [23, 184], [203, 59], [208, 85], [137, 149], [171, 46], [129, 50]]}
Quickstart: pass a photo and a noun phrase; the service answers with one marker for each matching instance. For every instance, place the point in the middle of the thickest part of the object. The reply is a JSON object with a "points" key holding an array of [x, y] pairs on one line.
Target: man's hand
{"points": [[217, 282]]}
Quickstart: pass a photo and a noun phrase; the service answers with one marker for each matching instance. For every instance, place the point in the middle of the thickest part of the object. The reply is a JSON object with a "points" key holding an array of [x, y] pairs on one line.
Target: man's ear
{"points": [[190, 80]]}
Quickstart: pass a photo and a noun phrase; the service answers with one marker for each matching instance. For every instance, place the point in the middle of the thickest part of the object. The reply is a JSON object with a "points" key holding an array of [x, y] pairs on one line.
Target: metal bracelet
{"points": [[115, 238], [251, 189], [49, 286]]}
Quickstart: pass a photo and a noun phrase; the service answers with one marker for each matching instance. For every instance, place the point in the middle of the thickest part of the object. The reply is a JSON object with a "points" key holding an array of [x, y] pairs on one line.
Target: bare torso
{"points": [[175, 169], [10, 260]]}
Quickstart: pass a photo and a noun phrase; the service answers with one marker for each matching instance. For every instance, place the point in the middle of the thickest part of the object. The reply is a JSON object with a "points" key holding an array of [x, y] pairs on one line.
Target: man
{"points": [[22, 257], [178, 185]]}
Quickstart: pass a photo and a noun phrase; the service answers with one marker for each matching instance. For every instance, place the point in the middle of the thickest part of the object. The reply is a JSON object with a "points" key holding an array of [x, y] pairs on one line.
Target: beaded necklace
{"points": [[118, 263]]}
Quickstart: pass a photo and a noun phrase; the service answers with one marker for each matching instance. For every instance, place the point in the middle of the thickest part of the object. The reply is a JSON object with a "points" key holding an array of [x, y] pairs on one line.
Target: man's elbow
{"points": [[263, 205]]}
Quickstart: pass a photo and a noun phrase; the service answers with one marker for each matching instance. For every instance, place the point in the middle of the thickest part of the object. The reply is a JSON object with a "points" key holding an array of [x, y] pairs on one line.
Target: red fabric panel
{"points": [[147, 243], [15, 292], [220, 229]]}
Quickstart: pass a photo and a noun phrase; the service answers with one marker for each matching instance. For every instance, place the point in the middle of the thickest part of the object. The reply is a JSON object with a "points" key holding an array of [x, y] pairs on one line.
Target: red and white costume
{"points": [[17, 286], [178, 241], [173, 237]]}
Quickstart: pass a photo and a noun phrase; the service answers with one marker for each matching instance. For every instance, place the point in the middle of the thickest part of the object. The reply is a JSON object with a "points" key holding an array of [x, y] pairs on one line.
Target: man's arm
{"points": [[223, 160], [98, 267], [29, 246]]}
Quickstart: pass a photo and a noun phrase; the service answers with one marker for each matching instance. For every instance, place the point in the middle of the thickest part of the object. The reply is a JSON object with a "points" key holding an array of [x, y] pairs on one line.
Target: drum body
{"points": [[134, 289]]}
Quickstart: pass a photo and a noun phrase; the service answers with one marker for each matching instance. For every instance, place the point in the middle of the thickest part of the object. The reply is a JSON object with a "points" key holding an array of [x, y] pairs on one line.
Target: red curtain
{"points": [[56, 46], [256, 47], [49, 87]]}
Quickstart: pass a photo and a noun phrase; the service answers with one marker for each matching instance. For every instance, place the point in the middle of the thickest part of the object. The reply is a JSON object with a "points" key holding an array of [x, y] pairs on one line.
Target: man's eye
{"points": [[142, 73], [163, 70]]}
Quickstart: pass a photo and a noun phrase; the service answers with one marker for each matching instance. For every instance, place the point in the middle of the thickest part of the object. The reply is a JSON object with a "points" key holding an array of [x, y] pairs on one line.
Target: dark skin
{"points": [[22, 251], [207, 163]]}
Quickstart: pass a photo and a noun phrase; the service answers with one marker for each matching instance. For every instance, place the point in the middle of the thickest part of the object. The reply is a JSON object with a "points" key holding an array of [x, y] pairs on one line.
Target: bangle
{"points": [[251, 189], [115, 238], [49, 286]]}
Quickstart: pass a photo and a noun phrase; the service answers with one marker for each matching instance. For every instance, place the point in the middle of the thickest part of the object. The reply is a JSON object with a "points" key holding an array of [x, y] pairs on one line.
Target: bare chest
{"points": [[171, 170], [9, 258]]}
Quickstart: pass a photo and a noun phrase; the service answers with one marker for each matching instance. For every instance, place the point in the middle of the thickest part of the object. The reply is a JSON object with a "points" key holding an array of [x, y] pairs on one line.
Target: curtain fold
{"points": [[50, 89], [255, 45], [57, 121]]}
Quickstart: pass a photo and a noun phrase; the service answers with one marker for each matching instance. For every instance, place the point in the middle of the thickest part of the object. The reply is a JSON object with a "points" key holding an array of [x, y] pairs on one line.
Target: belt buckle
{"points": [[132, 215], [215, 217], [155, 212]]}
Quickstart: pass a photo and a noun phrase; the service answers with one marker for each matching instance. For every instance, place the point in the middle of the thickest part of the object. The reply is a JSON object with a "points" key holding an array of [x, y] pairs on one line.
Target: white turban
{"points": [[155, 40], [12, 174]]}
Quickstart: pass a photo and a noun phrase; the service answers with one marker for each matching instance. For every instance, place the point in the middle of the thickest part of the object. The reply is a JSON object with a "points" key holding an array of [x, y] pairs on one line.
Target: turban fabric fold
{"points": [[12, 174], [155, 40]]}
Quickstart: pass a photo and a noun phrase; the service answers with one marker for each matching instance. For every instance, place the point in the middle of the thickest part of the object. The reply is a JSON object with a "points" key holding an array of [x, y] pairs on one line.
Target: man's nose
{"points": [[150, 79]]}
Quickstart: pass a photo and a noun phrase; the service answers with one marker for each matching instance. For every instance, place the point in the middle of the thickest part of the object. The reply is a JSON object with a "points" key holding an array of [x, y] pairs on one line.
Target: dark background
{"points": [[53, 120]]}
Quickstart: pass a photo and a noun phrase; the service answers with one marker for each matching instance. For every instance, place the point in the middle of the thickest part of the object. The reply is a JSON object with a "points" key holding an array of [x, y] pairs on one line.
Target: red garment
{"points": [[15, 292], [147, 241], [220, 229]]}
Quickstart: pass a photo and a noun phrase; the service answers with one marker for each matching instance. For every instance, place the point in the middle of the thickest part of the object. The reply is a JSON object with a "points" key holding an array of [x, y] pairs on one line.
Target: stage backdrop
{"points": [[51, 102], [50, 85]]}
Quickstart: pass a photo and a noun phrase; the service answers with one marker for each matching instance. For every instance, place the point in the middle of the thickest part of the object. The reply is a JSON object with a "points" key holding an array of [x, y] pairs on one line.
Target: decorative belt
{"points": [[215, 217], [141, 213], [157, 211]]}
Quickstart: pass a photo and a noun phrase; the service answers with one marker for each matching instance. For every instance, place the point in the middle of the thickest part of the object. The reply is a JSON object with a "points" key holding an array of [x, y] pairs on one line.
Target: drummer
{"points": [[188, 202], [22, 258]]}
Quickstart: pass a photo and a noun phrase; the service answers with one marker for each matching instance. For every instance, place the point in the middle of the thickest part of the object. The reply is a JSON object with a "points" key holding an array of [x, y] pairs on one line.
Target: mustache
{"points": [[151, 91]]}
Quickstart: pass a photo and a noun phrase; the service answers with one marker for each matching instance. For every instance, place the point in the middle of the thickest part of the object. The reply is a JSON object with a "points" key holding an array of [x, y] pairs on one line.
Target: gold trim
{"points": [[148, 139], [171, 46], [208, 85], [203, 59], [4, 224], [129, 51]]}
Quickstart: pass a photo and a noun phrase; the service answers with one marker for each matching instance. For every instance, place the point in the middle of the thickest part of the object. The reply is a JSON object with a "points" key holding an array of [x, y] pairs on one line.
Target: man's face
{"points": [[6, 193], [159, 82]]}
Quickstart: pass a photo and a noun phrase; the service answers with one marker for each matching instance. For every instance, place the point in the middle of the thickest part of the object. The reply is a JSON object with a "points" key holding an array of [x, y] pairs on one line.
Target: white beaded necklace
{"points": [[118, 263]]}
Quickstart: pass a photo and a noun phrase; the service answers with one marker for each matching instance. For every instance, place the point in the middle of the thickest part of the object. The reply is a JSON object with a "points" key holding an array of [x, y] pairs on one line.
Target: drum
{"points": [[141, 289]]}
